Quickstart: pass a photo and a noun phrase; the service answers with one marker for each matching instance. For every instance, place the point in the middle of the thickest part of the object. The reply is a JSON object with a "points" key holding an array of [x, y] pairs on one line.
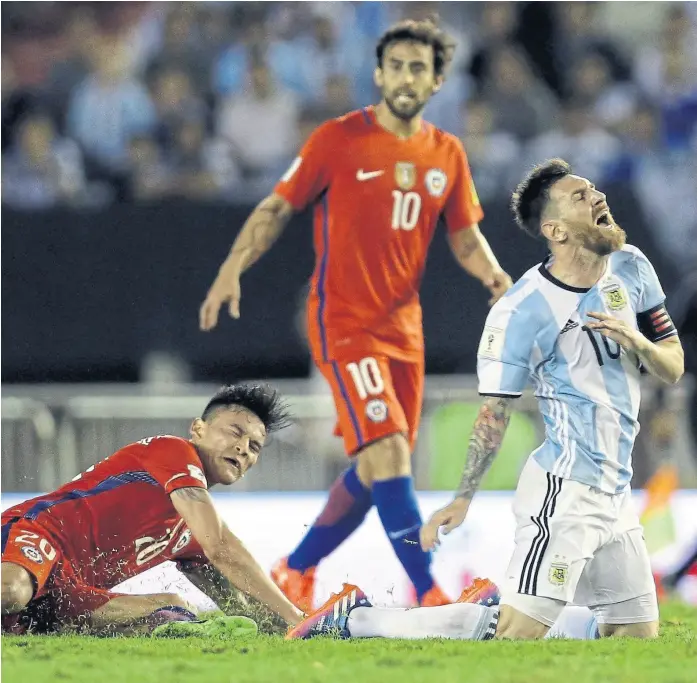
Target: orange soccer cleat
{"points": [[481, 592], [331, 618], [297, 586], [434, 598]]}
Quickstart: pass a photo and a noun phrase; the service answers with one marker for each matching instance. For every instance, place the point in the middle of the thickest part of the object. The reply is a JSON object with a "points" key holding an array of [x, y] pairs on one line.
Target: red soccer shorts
{"points": [[375, 396], [27, 544]]}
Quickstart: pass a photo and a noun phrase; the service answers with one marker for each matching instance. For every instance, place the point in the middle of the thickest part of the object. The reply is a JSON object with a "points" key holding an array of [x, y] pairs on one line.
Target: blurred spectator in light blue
{"points": [[591, 84], [444, 109], [41, 170], [82, 38], [591, 150], [494, 155], [524, 105], [198, 167], [496, 28], [580, 31], [665, 184], [231, 70], [304, 63], [667, 71], [336, 101], [261, 127], [108, 108], [180, 47], [174, 99]]}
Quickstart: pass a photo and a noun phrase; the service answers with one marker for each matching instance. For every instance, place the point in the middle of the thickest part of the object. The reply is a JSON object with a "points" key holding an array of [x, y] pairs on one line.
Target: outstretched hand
{"points": [[448, 518]]}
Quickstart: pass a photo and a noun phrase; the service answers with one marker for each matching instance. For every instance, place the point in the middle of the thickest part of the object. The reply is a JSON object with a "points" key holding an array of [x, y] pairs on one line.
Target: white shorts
{"points": [[575, 544]]}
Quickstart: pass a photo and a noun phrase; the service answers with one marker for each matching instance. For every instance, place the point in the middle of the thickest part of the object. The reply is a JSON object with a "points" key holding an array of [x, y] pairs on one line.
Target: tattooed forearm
{"points": [[487, 436], [261, 230]]}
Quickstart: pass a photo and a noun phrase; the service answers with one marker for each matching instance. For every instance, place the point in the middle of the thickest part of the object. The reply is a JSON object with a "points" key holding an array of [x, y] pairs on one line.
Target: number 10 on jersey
{"points": [[406, 207]]}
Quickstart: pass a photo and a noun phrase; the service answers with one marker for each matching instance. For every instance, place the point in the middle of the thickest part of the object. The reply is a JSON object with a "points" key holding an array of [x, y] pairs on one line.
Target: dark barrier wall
{"points": [[86, 295]]}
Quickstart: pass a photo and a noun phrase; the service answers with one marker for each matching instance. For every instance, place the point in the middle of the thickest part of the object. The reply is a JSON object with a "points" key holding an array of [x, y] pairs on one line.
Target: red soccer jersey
{"points": [[378, 199], [116, 519]]}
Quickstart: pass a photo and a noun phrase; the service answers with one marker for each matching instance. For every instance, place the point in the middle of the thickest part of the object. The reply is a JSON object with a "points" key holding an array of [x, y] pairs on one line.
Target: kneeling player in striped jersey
{"points": [[581, 326]]}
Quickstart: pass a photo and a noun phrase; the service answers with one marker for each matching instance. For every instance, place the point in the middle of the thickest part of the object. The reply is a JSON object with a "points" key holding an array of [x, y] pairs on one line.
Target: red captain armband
{"points": [[656, 324]]}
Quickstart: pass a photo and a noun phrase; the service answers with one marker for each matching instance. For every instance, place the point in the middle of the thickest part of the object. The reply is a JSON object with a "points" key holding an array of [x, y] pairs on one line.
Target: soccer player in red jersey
{"points": [[379, 180], [145, 504]]}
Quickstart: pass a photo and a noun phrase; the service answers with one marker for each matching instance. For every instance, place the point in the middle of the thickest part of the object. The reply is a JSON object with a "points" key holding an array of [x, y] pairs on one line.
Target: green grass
{"points": [[44, 659]]}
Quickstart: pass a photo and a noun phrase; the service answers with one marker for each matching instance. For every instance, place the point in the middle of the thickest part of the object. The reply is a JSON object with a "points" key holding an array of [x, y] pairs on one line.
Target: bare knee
{"points": [[387, 458], [647, 629], [17, 588], [514, 625]]}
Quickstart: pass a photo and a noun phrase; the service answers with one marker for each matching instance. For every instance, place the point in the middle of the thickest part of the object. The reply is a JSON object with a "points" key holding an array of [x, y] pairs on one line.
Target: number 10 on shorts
{"points": [[366, 376]]}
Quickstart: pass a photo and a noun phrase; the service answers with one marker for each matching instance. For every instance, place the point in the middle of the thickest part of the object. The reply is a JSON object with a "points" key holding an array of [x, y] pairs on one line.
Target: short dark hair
{"points": [[266, 403], [424, 32], [532, 194]]}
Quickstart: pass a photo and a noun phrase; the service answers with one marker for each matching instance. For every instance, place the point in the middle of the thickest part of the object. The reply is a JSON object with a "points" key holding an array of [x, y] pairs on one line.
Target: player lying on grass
{"points": [[580, 326], [62, 553]]}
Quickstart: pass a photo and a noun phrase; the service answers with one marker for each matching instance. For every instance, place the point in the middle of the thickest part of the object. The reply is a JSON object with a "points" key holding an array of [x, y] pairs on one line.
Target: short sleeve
{"points": [[173, 462], [503, 357], [309, 174], [652, 293], [462, 208]]}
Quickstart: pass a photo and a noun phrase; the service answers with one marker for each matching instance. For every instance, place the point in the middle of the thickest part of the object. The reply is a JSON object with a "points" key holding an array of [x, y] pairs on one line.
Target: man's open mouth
{"points": [[235, 463], [603, 220]]}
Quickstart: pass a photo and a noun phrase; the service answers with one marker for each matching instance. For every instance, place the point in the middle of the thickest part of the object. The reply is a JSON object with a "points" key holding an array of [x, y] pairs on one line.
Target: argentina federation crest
{"points": [[405, 175], [558, 573], [614, 297], [436, 182]]}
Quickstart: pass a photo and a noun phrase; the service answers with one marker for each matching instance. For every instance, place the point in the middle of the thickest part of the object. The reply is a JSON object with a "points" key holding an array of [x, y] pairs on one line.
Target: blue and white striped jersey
{"points": [[587, 386]]}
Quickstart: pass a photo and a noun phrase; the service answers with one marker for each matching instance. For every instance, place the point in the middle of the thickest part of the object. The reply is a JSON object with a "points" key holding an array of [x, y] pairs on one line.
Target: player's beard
{"points": [[404, 112], [604, 241]]}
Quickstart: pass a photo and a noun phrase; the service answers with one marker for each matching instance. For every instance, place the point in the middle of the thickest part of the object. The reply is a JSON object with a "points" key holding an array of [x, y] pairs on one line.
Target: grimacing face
{"points": [[582, 210], [407, 79], [229, 443]]}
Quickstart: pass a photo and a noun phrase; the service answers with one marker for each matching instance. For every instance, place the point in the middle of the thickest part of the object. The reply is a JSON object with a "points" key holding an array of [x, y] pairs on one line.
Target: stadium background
{"points": [[136, 137]]}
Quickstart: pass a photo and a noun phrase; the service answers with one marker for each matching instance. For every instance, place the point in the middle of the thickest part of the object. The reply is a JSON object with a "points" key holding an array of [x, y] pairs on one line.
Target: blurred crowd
{"points": [[105, 102]]}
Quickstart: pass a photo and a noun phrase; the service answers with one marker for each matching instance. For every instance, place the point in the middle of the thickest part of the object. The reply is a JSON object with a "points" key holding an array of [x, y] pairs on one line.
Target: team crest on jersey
{"points": [[183, 541], [376, 410], [405, 175], [436, 181], [558, 573], [614, 296], [32, 554]]}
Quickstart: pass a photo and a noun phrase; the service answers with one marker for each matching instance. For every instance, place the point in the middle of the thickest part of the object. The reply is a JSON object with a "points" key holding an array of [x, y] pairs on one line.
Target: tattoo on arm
{"points": [[191, 493], [487, 436], [261, 230]]}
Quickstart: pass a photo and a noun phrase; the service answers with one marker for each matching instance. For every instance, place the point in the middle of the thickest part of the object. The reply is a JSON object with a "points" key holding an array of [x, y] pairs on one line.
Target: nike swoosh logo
{"points": [[402, 532], [367, 175]]}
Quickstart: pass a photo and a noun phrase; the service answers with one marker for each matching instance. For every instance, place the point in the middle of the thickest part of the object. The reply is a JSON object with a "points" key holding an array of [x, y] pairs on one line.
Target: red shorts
{"points": [[375, 396], [28, 544]]}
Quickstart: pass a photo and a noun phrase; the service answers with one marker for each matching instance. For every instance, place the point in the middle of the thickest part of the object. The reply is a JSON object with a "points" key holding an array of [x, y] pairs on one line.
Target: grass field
{"points": [[44, 659]]}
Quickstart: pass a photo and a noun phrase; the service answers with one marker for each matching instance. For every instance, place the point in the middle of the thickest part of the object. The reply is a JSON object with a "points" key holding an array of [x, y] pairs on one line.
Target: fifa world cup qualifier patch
{"points": [[491, 344]]}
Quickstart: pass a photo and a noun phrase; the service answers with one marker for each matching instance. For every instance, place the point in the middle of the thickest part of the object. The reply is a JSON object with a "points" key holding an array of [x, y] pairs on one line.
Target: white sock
{"points": [[459, 621], [577, 623]]}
